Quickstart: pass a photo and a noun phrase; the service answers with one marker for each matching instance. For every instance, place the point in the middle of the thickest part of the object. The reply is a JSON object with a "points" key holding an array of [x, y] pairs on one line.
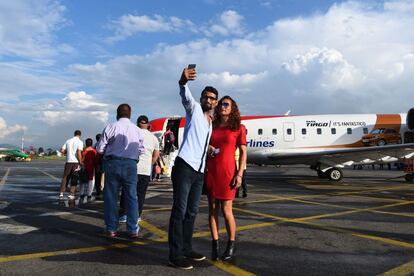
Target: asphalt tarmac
{"points": [[291, 223]]}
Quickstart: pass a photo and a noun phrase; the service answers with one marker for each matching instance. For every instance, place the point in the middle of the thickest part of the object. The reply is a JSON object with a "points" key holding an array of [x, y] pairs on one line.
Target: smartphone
{"points": [[191, 66]]}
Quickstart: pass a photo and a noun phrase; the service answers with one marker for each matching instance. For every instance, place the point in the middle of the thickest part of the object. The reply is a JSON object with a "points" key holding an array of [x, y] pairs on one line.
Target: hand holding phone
{"points": [[188, 74]]}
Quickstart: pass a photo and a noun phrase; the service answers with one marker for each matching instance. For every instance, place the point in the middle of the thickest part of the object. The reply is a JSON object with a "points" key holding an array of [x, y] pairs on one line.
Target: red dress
{"points": [[221, 169], [90, 162]]}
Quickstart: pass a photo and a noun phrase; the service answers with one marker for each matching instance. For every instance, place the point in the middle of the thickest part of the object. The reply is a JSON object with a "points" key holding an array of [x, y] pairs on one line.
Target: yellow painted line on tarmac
{"points": [[345, 207], [261, 214], [229, 268], [4, 179], [30, 256], [378, 198], [402, 270], [238, 229], [384, 240], [162, 235], [357, 210], [333, 229], [51, 176]]}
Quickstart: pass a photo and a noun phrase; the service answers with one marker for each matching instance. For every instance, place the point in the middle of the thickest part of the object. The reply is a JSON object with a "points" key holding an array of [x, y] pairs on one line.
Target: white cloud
{"points": [[228, 23], [345, 60], [129, 25], [27, 28], [7, 131], [75, 107]]}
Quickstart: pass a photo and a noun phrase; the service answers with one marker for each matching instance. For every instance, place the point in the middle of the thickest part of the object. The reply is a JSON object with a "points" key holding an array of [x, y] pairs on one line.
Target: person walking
{"points": [[98, 170], [169, 139], [222, 176], [73, 150], [144, 167], [89, 163], [121, 145], [188, 171]]}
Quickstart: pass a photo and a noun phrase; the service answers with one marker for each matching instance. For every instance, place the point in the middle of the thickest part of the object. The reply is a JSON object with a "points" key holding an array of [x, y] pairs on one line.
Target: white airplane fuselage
{"points": [[295, 135]]}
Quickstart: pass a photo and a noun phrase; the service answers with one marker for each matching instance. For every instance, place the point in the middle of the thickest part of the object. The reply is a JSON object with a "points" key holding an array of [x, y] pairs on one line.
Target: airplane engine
{"points": [[410, 119]]}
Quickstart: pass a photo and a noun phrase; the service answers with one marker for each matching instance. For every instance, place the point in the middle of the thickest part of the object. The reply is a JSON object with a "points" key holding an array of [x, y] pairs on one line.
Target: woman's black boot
{"points": [[215, 250], [230, 251]]}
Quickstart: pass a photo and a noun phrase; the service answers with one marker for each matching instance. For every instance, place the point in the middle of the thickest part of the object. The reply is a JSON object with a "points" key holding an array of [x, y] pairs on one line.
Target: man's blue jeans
{"points": [[120, 173], [187, 188]]}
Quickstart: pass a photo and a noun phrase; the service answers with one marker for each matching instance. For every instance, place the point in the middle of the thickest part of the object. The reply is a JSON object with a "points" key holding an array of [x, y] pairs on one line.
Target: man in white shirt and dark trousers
{"points": [[188, 171], [144, 167], [73, 150]]}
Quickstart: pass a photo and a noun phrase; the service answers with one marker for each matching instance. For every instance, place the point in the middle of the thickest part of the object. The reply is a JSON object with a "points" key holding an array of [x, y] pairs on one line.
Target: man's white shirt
{"points": [[71, 146], [151, 143]]}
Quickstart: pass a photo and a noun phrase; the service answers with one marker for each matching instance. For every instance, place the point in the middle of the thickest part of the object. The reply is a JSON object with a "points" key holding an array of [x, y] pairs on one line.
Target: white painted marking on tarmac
{"points": [[3, 180], [51, 214], [150, 195], [51, 176], [7, 228]]}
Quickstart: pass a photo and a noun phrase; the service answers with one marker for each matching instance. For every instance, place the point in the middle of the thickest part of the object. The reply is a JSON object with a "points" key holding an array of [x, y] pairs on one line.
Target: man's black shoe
{"points": [[180, 263], [195, 256]]}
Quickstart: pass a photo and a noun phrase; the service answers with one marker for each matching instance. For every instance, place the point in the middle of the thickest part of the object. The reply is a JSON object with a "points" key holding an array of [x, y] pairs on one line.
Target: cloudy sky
{"points": [[66, 65]]}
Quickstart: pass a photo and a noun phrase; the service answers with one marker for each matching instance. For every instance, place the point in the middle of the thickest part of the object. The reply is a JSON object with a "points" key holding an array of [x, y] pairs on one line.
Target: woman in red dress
{"points": [[222, 176]]}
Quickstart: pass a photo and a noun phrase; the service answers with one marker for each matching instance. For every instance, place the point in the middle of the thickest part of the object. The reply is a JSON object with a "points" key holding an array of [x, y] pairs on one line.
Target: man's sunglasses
{"points": [[211, 98]]}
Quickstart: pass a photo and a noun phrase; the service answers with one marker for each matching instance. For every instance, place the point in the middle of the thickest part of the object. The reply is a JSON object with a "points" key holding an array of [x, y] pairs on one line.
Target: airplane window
{"points": [[289, 131], [365, 130], [260, 131], [319, 131], [333, 130], [274, 131], [349, 130], [303, 131]]}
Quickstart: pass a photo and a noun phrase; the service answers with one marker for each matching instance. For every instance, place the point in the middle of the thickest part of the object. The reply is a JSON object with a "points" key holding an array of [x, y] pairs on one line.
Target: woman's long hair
{"points": [[234, 118]]}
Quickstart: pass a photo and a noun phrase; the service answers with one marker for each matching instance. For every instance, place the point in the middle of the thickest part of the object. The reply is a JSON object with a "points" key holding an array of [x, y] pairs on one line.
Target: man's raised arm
{"points": [[186, 97]]}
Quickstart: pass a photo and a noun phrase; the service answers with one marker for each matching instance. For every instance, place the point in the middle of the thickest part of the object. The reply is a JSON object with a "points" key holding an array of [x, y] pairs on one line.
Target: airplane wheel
{"points": [[381, 142], [335, 174], [409, 177]]}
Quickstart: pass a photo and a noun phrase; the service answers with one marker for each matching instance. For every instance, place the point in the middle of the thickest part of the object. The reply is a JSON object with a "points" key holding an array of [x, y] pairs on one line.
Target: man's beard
{"points": [[206, 107]]}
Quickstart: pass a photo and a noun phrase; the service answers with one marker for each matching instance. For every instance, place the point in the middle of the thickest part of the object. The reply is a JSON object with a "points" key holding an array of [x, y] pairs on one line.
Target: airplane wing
{"points": [[347, 156]]}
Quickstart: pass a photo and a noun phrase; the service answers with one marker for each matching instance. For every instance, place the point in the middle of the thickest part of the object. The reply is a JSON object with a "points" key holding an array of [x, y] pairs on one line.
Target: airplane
{"points": [[327, 143], [13, 154]]}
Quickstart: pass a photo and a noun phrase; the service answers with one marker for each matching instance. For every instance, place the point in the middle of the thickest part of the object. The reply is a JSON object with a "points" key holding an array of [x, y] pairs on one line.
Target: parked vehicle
{"points": [[381, 137]]}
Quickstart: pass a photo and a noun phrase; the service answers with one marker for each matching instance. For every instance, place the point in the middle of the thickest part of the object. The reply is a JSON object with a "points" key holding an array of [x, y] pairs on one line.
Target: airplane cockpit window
{"points": [[274, 131], [319, 131], [289, 131], [365, 130], [349, 130], [260, 131], [304, 131], [333, 130]]}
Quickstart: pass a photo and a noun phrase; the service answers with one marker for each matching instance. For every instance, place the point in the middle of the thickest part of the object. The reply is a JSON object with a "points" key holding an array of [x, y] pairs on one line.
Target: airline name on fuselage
{"points": [[260, 144], [313, 123]]}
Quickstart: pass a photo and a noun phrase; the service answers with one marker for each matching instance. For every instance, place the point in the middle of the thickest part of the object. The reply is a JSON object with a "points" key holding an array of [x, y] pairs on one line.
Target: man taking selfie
{"points": [[188, 171]]}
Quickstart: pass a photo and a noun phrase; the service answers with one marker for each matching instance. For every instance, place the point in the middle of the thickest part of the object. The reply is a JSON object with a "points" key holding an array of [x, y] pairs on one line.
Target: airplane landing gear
{"points": [[334, 174]]}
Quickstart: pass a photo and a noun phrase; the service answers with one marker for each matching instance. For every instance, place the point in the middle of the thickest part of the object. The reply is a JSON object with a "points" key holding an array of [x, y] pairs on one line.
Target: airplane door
{"points": [[289, 132]]}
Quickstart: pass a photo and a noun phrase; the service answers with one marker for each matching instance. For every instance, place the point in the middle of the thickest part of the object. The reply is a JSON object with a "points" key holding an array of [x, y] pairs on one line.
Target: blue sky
{"points": [[66, 65]]}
